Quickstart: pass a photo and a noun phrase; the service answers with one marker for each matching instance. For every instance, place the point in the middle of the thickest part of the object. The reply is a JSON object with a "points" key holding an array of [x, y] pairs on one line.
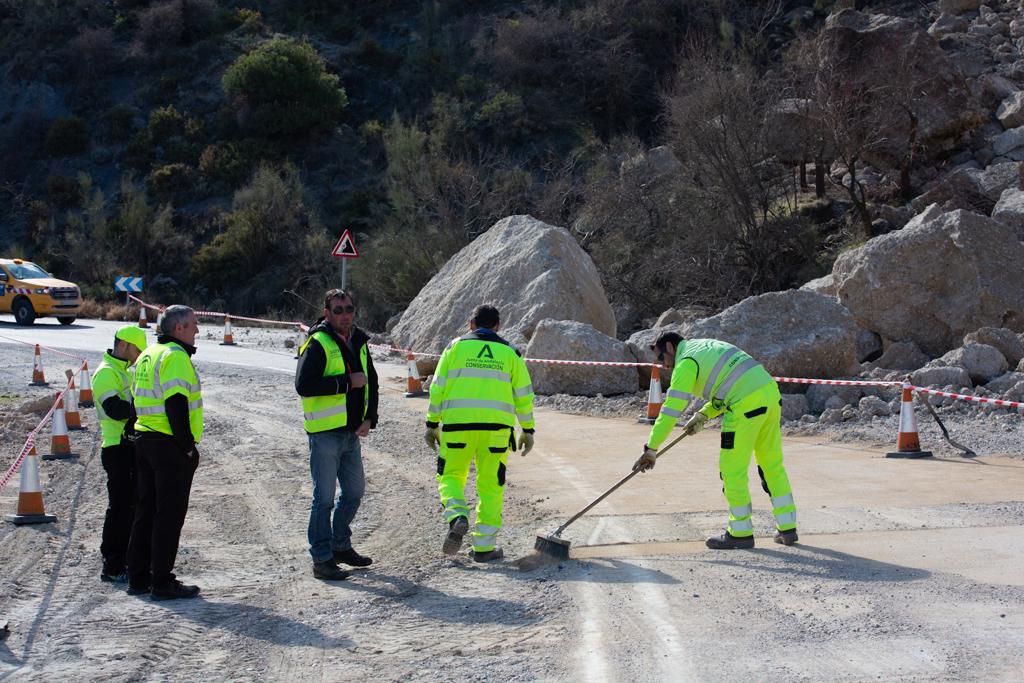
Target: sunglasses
{"points": [[338, 310]]}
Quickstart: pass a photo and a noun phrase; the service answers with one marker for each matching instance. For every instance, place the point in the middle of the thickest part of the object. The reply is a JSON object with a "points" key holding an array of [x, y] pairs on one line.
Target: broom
{"points": [[553, 545]]}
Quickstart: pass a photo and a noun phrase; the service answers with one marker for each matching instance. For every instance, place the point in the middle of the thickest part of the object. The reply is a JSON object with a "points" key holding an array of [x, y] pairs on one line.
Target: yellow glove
{"points": [[695, 424], [433, 437], [526, 443]]}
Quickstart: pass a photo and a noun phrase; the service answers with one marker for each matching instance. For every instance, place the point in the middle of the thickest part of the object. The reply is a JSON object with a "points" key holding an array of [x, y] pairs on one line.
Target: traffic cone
{"points": [[60, 444], [30, 494], [73, 418], [907, 443], [85, 393], [654, 397], [228, 339], [38, 379], [143, 321], [414, 387]]}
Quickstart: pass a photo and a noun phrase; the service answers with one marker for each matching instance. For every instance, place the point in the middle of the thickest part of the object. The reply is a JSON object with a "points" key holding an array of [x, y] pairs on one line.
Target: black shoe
{"points": [[174, 591], [137, 590], [456, 530], [488, 556], [352, 558], [787, 537], [729, 542], [109, 577], [328, 571]]}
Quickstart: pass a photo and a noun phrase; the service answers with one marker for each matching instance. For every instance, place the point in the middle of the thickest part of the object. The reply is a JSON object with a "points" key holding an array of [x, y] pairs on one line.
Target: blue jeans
{"points": [[334, 456]]}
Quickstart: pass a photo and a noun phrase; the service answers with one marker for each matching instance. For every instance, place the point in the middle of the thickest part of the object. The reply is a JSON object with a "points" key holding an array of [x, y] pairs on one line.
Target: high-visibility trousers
{"points": [[489, 449], [752, 426]]}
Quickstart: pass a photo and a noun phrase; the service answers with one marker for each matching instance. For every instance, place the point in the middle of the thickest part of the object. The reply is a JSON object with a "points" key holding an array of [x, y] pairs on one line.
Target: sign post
{"points": [[127, 284], [345, 249]]}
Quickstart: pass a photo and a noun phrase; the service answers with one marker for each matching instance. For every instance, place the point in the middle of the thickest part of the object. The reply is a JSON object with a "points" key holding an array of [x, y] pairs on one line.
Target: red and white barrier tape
{"points": [[839, 382], [31, 440], [48, 348], [218, 314], [967, 397]]}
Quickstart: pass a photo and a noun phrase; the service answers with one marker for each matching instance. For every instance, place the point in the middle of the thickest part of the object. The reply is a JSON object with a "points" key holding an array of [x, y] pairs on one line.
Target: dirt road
{"points": [[907, 570]]}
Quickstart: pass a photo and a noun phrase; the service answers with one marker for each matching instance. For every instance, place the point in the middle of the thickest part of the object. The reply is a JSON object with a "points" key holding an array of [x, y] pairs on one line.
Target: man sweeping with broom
{"points": [[735, 384]]}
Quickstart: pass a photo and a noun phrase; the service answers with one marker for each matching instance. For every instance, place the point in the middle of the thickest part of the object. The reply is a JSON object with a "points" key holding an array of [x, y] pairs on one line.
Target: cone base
{"points": [[39, 384], [646, 420], [58, 456], [86, 404], [228, 344], [414, 394], [31, 519], [909, 455], [77, 428]]}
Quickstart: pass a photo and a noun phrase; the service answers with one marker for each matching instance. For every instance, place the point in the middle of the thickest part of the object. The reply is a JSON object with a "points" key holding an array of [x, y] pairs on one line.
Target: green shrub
{"points": [[167, 182], [139, 152], [63, 192], [117, 123], [67, 137], [229, 162], [249, 20], [284, 88], [165, 122], [372, 130]]}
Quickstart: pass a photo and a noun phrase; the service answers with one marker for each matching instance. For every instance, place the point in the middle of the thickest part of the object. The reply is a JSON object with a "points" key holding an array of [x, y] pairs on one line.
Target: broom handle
{"points": [[610, 491]]}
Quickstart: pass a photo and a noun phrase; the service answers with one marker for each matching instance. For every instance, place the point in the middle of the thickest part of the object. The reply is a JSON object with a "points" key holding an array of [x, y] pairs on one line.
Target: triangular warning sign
{"points": [[345, 248]]}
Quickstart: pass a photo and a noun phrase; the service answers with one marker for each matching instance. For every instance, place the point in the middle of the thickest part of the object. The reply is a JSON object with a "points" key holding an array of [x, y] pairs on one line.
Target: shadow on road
{"points": [[823, 563], [253, 622], [439, 605]]}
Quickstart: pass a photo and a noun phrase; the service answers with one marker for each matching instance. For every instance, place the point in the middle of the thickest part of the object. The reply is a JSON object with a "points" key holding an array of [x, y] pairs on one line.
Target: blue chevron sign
{"points": [[128, 283]]}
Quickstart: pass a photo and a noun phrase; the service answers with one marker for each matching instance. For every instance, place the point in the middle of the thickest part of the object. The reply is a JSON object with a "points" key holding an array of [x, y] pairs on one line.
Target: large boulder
{"points": [[1011, 111], [941, 377], [855, 44], [982, 362], [902, 356], [795, 333], [528, 269], [958, 6], [570, 340], [940, 277], [1008, 343], [971, 188], [823, 285]]}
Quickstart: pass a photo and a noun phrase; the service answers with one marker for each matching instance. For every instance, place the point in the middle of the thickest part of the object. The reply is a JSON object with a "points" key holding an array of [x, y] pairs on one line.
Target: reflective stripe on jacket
{"points": [[323, 413], [162, 371]]}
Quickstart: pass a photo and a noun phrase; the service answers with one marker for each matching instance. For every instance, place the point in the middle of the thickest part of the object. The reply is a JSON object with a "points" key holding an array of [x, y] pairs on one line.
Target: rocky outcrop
{"points": [[982, 362], [1009, 210], [795, 333], [940, 277], [823, 285], [530, 270], [855, 44], [570, 340], [971, 188]]}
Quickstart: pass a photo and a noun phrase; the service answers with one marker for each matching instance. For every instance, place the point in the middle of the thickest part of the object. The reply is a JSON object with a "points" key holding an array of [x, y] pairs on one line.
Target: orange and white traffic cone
{"points": [[85, 393], [228, 339], [414, 386], [60, 444], [30, 494], [654, 397], [38, 378], [908, 445], [72, 417], [143, 321]]}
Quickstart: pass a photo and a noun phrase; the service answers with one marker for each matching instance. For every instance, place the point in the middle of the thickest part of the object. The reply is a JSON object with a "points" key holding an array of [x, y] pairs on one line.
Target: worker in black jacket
{"points": [[338, 384]]}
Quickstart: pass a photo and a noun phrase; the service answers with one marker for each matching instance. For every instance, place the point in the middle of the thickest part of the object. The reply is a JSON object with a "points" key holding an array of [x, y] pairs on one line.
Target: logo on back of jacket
{"points": [[484, 359]]}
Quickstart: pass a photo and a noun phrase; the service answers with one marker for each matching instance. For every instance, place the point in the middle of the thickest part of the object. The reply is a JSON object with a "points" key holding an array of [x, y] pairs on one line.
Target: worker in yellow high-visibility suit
{"points": [[735, 384], [480, 388]]}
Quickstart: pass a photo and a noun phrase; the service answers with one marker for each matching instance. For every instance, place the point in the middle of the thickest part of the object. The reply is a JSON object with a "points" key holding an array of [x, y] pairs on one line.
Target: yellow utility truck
{"points": [[29, 292]]}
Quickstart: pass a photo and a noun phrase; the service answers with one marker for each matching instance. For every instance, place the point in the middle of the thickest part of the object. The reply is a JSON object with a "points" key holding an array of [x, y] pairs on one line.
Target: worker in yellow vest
{"points": [[338, 384], [112, 383], [169, 408], [735, 384], [480, 389]]}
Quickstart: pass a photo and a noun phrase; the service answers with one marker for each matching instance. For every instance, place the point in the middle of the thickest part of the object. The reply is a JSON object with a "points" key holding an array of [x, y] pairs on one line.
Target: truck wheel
{"points": [[66, 321], [23, 312]]}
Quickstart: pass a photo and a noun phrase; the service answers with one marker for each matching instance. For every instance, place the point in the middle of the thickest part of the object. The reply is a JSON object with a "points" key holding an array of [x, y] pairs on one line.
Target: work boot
{"points": [[176, 590], [787, 537], [729, 542], [329, 571], [137, 590], [108, 577], [352, 558], [487, 556], [457, 528]]}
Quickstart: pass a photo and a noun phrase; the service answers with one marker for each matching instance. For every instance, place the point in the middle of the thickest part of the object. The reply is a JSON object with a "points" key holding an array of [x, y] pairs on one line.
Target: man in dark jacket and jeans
{"points": [[338, 385]]}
